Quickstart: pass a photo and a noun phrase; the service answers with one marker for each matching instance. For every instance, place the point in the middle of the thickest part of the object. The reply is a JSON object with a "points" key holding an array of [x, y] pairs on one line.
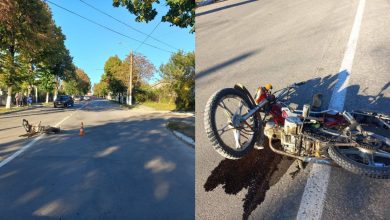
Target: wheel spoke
{"points": [[228, 126], [237, 138], [226, 110]]}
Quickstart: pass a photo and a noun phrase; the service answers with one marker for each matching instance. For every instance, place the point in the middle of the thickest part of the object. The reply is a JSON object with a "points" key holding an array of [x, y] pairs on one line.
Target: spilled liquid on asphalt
{"points": [[257, 172]]}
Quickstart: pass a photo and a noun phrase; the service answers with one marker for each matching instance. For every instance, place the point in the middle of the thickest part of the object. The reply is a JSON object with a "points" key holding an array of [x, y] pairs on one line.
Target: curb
{"points": [[184, 138]]}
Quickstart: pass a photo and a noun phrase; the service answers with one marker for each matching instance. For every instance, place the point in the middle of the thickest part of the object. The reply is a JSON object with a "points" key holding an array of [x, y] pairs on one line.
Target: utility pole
{"points": [[130, 87]]}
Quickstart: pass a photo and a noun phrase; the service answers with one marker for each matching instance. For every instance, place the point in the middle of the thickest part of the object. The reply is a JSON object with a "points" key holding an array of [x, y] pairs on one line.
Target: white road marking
{"points": [[30, 144], [314, 195]]}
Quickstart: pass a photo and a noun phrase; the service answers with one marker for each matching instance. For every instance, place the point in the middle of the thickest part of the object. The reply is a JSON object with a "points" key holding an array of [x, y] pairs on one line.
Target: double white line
{"points": [[314, 196]]}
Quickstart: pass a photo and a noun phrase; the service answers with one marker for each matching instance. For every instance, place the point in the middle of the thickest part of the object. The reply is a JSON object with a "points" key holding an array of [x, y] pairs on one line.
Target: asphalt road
{"points": [[255, 42], [127, 166]]}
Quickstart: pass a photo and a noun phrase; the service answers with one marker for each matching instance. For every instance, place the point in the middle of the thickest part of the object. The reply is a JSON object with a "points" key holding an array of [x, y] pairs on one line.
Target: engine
{"points": [[291, 137]]}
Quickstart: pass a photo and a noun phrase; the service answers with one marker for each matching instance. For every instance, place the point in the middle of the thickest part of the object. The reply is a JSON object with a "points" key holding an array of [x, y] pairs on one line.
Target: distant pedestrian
{"points": [[17, 99], [29, 100]]}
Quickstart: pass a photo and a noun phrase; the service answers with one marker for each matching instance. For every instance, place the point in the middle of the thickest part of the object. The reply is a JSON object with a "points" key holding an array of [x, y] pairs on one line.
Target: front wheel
{"points": [[367, 159], [230, 136]]}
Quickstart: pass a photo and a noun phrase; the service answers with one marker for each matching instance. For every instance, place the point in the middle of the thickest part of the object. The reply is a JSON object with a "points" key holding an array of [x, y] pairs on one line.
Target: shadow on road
{"points": [[257, 172], [225, 64], [224, 7], [116, 165]]}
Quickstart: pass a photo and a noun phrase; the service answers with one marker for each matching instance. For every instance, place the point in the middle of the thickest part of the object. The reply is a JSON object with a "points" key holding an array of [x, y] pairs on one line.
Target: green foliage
{"points": [[32, 49], [117, 73], [100, 89], [79, 85], [46, 81], [181, 13], [179, 75], [23, 29]]}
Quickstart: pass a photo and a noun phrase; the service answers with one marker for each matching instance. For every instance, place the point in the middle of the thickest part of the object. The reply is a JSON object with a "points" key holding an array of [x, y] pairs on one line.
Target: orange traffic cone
{"points": [[82, 129]]}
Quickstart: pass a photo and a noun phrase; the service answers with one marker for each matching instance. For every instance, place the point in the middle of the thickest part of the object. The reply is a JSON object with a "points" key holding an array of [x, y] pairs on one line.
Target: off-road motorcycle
{"points": [[357, 141], [32, 130]]}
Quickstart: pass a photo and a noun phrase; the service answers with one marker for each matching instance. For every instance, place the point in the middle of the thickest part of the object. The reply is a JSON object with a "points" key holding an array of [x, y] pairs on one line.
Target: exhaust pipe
{"points": [[304, 159]]}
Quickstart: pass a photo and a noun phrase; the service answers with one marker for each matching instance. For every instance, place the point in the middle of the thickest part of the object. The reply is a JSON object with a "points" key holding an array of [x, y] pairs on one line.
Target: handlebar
{"points": [[286, 90]]}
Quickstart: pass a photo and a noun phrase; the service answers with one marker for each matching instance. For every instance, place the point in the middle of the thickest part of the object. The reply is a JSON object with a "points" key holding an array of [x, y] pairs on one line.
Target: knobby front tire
{"points": [[211, 128]]}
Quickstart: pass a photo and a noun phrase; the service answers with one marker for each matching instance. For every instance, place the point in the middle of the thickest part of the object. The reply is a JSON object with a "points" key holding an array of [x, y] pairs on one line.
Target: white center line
{"points": [[314, 195], [30, 144]]}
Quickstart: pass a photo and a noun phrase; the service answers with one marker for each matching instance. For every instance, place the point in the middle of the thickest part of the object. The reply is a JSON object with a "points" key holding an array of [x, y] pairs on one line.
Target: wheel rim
{"points": [[379, 157], [232, 133]]}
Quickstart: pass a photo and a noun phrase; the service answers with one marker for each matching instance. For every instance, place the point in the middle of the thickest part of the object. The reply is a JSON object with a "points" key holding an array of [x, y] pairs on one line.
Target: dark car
{"points": [[63, 101]]}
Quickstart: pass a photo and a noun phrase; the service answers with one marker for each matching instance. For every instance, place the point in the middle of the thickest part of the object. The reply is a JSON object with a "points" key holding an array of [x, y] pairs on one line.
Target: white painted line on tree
{"points": [[30, 144], [314, 195]]}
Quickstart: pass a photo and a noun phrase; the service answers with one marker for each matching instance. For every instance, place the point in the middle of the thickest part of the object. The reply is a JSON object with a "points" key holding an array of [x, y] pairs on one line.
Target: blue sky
{"points": [[91, 45]]}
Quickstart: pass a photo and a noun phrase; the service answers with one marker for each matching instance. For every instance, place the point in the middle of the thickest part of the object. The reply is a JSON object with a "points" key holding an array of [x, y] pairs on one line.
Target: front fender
{"points": [[246, 92]]}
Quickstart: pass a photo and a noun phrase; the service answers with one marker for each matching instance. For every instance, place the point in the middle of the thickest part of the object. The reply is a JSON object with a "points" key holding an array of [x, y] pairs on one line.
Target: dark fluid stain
{"points": [[257, 172]]}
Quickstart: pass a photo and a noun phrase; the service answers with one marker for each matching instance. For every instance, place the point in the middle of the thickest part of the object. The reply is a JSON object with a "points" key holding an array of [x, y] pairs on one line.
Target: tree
{"points": [[181, 13], [23, 27], [117, 73], [84, 83], [100, 89], [80, 85], [47, 82], [179, 74]]}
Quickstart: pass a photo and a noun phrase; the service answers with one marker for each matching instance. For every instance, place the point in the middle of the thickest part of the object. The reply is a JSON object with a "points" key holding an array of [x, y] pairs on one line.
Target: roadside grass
{"points": [[182, 127], [16, 108], [160, 106], [125, 105]]}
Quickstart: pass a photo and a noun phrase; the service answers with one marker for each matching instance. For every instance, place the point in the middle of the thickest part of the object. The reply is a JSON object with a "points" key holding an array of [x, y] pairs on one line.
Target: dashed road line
{"points": [[314, 195]]}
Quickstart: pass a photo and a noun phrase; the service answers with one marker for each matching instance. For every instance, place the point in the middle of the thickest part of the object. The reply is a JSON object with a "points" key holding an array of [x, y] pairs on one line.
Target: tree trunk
{"points": [[56, 89], [55, 94], [9, 97], [47, 97], [36, 94]]}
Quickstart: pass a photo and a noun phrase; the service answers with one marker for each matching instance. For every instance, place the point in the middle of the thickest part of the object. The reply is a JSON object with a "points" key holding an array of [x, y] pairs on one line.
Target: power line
{"points": [[124, 23], [147, 37], [105, 27]]}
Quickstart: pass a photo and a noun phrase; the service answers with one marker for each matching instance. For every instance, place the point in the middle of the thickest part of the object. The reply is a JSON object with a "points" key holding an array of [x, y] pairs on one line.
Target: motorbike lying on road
{"points": [[32, 130], [235, 121]]}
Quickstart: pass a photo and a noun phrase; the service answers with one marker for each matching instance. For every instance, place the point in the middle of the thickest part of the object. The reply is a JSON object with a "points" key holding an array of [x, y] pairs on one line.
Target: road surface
{"points": [[255, 42], [127, 166]]}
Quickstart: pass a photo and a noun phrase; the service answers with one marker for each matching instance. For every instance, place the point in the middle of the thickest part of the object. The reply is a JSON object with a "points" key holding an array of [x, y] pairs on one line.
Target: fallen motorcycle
{"points": [[235, 121], [32, 130]]}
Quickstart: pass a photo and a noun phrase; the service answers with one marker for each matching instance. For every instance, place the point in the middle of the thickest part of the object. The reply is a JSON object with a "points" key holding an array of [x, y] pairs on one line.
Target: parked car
{"points": [[87, 98], [63, 101], [78, 98]]}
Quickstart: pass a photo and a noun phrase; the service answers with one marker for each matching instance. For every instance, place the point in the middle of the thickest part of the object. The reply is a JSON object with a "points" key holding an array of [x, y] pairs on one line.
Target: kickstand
{"points": [[300, 166]]}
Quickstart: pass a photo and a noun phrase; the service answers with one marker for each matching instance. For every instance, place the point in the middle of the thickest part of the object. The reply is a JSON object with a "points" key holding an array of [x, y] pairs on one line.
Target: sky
{"points": [[91, 45]]}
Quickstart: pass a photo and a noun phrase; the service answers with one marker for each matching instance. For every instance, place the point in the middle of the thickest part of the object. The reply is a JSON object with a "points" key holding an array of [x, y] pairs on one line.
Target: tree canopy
{"points": [[117, 72], [181, 13], [179, 76], [32, 48]]}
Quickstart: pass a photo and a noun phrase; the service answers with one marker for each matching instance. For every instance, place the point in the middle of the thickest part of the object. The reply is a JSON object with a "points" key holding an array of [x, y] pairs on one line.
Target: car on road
{"points": [[63, 101], [78, 98], [87, 98]]}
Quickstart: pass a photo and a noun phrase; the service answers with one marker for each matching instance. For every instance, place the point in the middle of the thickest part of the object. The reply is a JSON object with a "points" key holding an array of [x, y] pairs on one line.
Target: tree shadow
{"points": [[225, 64], [116, 165], [224, 7]]}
